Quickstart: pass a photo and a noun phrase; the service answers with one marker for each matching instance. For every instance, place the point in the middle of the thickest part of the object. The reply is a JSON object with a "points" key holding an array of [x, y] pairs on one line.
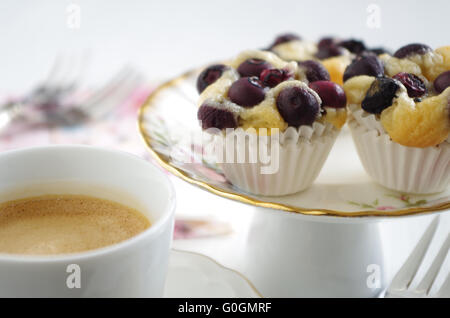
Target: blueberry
{"points": [[326, 42], [247, 91], [298, 106], [354, 46], [283, 38], [414, 85], [314, 71], [442, 82], [214, 117], [414, 48], [274, 76], [366, 64], [379, 50], [330, 93], [209, 76], [380, 95], [253, 67], [329, 51]]}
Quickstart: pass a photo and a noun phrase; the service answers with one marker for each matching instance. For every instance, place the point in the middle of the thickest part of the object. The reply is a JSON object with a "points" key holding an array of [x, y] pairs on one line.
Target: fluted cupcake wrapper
{"points": [[369, 121], [301, 155], [401, 168]]}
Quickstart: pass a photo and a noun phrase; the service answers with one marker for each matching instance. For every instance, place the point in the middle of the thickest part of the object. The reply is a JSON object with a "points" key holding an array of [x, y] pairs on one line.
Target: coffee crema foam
{"points": [[60, 224]]}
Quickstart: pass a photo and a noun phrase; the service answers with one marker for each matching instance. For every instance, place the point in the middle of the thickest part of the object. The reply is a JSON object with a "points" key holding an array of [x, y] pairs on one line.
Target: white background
{"points": [[165, 38]]}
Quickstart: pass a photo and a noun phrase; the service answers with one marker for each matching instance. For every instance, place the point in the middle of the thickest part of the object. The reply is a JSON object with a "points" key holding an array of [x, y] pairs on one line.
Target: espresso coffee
{"points": [[60, 224]]}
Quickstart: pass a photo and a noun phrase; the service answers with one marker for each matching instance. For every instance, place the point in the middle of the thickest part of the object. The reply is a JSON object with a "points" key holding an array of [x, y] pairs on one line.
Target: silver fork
{"points": [[401, 284], [64, 76], [97, 104], [94, 106]]}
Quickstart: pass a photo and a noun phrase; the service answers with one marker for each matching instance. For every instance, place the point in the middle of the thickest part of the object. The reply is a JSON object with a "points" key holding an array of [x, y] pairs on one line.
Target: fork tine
{"points": [[430, 276], [75, 68], [117, 96], [66, 64], [55, 70], [66, 71], [65, 68], [108, 88], [406, 274], [75, 65], [111, 94], [444, 291]]}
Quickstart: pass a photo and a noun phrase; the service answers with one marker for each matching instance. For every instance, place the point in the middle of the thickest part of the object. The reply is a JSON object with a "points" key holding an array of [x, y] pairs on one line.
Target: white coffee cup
{"points": [[136, 267]]}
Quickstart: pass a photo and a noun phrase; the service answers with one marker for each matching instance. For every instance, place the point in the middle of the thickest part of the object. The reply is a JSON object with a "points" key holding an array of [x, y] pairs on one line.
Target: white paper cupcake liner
{"points": [[401, 168], [370, 121], [302, 154]]}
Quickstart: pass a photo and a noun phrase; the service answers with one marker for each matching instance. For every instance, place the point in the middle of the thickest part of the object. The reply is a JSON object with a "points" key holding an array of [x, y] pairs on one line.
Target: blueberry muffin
{"points": [[260, 95], [400, 108]]}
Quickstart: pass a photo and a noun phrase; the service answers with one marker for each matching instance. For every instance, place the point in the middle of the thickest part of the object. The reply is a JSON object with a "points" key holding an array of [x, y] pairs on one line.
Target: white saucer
{"points": [[194, 275]]}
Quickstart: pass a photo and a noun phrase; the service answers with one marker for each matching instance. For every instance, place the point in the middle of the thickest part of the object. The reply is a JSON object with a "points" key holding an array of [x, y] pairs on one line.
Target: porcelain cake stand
{"points": [[319, 242]]}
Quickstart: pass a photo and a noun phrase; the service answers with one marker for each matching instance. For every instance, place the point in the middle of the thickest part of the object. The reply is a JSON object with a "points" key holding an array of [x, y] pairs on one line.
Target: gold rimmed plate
{"points": [[168, 123]]}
